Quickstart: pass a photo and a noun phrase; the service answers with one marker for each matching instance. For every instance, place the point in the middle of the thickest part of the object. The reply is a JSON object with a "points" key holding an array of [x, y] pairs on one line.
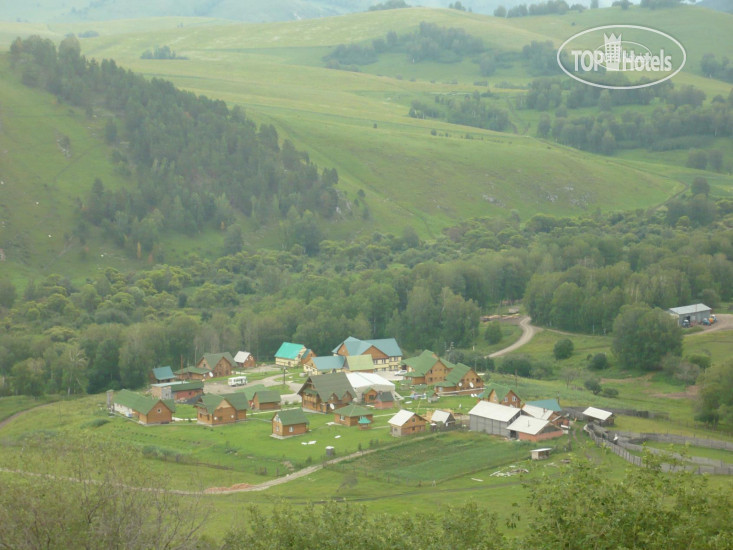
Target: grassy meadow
{"points": [[355, 121]]}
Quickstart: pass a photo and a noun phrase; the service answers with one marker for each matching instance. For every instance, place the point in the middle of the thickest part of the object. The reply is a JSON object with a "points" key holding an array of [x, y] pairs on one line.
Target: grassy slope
{"points": [[409, 176]]}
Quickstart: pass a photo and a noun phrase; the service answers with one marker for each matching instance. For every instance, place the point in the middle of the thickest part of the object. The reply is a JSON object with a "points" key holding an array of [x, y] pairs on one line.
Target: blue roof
{"points": [[163, 373], [289, 350], [549, 404], [329, 363], [354, 346]]}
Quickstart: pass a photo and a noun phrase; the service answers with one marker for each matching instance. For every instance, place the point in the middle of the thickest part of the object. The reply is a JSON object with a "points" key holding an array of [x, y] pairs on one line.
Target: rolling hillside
{"points": [[424, 173]]}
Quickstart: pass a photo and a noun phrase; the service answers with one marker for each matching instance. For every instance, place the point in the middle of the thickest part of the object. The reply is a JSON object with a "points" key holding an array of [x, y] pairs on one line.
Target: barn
{"points": [[492, 418]]}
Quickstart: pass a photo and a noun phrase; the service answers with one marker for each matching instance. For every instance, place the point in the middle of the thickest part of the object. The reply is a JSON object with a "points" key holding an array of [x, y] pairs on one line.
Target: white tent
{"points": [[364, 381]]}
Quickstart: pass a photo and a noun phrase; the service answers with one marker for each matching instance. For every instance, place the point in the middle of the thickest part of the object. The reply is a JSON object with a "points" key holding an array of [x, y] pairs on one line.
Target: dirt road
{"points": [[528, 332], [724, 322]]}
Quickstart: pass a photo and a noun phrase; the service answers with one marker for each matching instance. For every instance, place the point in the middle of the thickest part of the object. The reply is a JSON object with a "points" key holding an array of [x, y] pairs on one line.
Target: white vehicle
{"points": [[237, 380]]}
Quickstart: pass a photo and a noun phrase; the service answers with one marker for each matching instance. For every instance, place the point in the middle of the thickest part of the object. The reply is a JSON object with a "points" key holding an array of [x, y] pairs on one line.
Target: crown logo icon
{"points": [[612, 51]]}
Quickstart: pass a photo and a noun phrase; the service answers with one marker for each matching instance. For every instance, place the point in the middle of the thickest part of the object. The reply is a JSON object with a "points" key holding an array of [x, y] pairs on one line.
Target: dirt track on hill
{"points": [[528, 332]]}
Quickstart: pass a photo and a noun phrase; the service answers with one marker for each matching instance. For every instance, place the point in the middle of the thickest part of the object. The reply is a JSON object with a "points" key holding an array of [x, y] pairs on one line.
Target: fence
{"points": [[620, 444]]}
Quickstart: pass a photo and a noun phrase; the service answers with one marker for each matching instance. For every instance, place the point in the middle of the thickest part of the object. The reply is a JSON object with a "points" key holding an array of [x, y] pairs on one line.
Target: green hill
{"points": [[394, 170]]}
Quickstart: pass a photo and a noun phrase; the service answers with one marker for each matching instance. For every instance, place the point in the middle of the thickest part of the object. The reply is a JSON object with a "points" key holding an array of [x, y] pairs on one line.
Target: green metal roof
{"points": [[422, 363], [326, 385], [192, 370], [358, 363], [213, 358], [549, 404], [354, 346], [364, 420], [288, 350], [263, 394], [140, 403], [289, 417], [163, 373], [330, 362], [353, 410], [500, 390], [457, 373], [185, 386], [210, 401]]}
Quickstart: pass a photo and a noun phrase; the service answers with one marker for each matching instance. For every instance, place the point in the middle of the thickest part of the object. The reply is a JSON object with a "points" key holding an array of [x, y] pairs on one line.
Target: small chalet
{"points": [[327, 392], [180, 392], [385, 353], [244, 360], [292, 355], [500, 395], [193, 373], [492, 418], [219, 364], [289, 422], [442, 420], [599, 416], [214, 410], [324, 365], [406, 423], [426, 368], [161, 375], [551, 404], [262, 399], [384, 400], [461, 379], [545, 414], [351, 414], [528, 428], [146, 410]]}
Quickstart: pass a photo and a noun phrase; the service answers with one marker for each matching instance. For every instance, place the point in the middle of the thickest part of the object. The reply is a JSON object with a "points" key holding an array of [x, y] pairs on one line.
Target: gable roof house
{"points": [[289, 422], [502, 395], [692, 314], [406, 423], [542, 413], [324, 365], [427, 368], [528, 428], [180, 392], [351, 414], [492, 418], [327, 392], [442, 420], [244, 359], [551, 404], [461, 379], [291, 355], [193, 373], [384, 400], [160, 375], [146, 410], [365, 381], [214, 410], [385, 352], [262, 399], [219, 364]]}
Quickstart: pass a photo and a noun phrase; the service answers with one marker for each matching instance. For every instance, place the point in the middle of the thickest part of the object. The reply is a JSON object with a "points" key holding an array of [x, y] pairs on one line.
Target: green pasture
{"points": [[13, 404], [692, 450]]}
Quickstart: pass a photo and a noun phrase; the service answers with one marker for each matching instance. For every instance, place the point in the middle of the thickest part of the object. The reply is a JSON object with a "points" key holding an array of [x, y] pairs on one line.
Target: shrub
{"points": [[563, 348], [609, 392], [594, 385], [599, 362], [493, 333]]}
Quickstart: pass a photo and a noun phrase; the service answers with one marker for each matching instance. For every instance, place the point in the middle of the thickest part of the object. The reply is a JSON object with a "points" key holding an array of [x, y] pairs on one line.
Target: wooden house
{"points": [[214, 410], [179, 391], [426, 368], [442, 420], [244, 360], [193, 373], [262, 399], [219, 364], [462, 380], [324, 365], [350, 415], [385, 352], [501, 395], [528, 428], [327, 392], [292, 355], [146, 410], [161, 375], [384, 400], [406, 423], [289, 422]]}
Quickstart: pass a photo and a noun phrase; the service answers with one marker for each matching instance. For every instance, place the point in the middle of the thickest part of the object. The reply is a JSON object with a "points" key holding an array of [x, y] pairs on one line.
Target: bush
{"points": [[563, 348], [594, 385], [599, 362], [493, 333], [520, 365], [609, 392]]}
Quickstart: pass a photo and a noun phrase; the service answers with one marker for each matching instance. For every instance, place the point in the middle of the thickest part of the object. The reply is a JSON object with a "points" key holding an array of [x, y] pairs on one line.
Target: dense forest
{"points": [[195, 162]]}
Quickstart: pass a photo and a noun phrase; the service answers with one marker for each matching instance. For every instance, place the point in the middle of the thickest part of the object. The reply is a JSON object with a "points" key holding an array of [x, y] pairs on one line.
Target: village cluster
{"points": [[348, 385]]}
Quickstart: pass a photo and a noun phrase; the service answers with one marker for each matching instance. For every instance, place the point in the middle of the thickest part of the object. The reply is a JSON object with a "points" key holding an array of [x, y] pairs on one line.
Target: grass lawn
{"points": [[13, 404]]}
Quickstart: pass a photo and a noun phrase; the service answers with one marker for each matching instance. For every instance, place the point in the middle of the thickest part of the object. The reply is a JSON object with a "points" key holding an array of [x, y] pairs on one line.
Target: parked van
{"points": [[237, 380]]}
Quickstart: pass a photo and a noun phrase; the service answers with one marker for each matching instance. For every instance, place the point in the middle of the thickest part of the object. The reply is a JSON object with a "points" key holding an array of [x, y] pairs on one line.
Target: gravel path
{"points": [[528, 332]]}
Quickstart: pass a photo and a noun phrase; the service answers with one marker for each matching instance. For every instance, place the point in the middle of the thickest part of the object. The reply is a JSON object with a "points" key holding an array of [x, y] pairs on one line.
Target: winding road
{"points": [[528, 332]]}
